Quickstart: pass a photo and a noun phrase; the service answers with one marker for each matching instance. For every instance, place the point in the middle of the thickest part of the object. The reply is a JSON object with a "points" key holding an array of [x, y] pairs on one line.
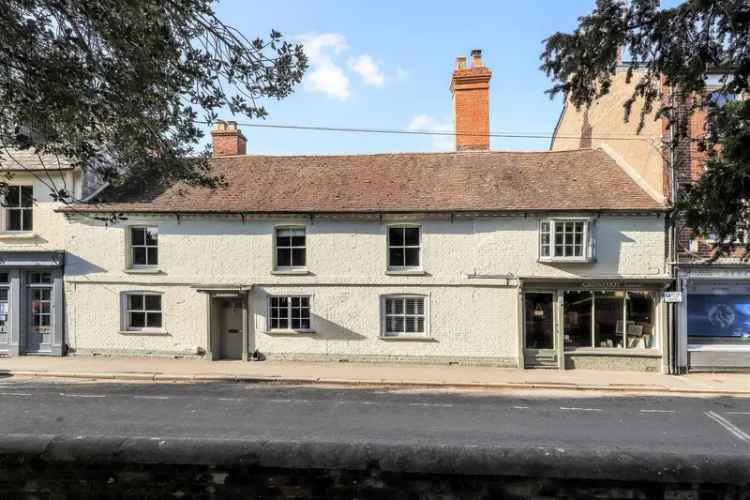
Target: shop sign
{"points": [[672, 296], [603, 284]]}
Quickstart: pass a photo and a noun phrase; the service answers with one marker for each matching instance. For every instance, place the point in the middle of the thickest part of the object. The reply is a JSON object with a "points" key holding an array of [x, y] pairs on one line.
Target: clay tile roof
{"points": [[405, 182], [27, 159]]}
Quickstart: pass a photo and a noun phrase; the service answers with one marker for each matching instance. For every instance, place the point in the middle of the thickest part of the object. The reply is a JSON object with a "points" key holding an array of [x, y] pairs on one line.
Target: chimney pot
{"points": [[461, 62], [476, 58], [227, 139]]}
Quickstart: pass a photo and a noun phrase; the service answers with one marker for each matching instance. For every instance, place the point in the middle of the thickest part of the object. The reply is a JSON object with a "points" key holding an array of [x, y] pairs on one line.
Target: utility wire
{"points": [[507, 135]]}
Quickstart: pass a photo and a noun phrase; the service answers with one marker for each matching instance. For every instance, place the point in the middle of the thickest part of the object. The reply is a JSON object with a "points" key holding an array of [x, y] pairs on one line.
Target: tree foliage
{"points": [[673, 48], [118, 87]]}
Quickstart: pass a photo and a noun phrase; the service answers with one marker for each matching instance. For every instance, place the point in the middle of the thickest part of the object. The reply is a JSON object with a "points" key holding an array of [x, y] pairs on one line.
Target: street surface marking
{"points": [[82, 395], [150, 397], [230, 399], [733, 429], [737, 412], [15, 394], [520, 407], [432, 405], [289, 400], [579, 409], [657, 411]]}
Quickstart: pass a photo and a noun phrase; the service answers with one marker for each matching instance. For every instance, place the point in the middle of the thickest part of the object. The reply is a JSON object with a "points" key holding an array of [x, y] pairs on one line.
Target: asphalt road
{"points": [[703, 426]]}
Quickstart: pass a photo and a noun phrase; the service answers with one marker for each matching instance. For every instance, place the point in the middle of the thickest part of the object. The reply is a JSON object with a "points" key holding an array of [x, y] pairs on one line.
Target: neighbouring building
{"points": [[552, 259], [710, 325], [32, 251]]}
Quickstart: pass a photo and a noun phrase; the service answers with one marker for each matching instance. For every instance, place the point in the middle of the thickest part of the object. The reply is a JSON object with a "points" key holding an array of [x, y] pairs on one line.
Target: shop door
{"points": [[539, 330], [39, 316]]}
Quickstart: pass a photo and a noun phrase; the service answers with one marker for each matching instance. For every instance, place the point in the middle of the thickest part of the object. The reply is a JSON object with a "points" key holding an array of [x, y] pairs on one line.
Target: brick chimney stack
{"points": [[228, 139], [471, 103]]}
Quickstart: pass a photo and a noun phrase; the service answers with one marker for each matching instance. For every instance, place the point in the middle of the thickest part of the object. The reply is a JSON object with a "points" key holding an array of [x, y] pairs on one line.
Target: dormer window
{"points": [[564, 240]]}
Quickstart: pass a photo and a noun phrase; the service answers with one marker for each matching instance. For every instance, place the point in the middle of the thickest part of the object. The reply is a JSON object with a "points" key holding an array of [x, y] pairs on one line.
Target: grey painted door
{"points": [[39, 329], [231, 334]]}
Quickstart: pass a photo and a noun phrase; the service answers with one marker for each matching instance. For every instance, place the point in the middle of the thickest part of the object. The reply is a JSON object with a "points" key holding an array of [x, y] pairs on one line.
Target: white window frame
{"points": [[289, 312], [384, 333], [21, 208], [388, 246], [587, 240], [276, 229], [131, 248], [125, 325]]}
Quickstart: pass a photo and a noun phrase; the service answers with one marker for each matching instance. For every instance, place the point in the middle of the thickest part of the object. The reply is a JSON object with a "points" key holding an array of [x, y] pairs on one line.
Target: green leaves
{"points": [[117, 87]]}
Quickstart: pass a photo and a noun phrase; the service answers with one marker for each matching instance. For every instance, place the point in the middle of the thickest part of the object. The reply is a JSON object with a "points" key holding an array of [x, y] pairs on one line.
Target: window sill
{"points": [[406, 272], [149, 333], [291, 272], [290, 333], [143, 270], [20, 235], [547, 260], [614, 351], [411, 338]]}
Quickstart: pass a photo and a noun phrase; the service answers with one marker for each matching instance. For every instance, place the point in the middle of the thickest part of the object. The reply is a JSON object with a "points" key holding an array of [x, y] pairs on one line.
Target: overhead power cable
{"points": [[507, 135]]}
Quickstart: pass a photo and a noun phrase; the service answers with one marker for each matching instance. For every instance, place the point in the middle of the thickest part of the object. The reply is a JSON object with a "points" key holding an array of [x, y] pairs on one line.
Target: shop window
{"points": [[718, 315], [609, 319], [577, 319]]}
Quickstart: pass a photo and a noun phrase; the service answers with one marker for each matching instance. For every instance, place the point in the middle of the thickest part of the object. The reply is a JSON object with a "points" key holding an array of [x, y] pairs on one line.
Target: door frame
{"points": [[555, 351], [213, 333]]}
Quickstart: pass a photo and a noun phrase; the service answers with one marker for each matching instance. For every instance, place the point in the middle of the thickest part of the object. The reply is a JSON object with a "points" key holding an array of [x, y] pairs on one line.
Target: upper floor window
{"points": [[144, 246], [564, 240], [290, 248], [18, 203], [289, 313], [404, 247], [143, 311], [404, 315]]}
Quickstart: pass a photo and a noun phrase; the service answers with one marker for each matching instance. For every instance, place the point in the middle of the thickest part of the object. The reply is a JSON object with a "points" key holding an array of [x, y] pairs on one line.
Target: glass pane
{"points": [[4, 278], [139, 256], [411, 258], [640, 326], [153, 320], [283, 257], [609, 326], [420, 325], [295, 301], [14, 220], [137, 320], [283, 323], [135, 302], [577, 319], [305, 301], [411, 236], [305, 323], [726, 315], [396, 236], [274, 323], [283, 302], [410, 325], [398, 306], [137, 236], [397, 324], [539, 320], [28, 219], [296, 324], [298, 241], [545, 250], [545, 228], [152, 256], [153, 302], [27, 196], [44, 307], [44, 320], [396, 257], [152, 236], [12, 197], [298, 257], [283, 240], [3, 294]]}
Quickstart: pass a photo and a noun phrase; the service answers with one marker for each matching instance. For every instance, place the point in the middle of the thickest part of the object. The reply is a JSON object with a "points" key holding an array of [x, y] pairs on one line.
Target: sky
{"points": [[386, 64]]}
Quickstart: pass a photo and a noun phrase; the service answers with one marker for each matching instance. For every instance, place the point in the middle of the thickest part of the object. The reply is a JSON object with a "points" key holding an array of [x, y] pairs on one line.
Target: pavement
{"points": [[644, 438], [368, 374]]}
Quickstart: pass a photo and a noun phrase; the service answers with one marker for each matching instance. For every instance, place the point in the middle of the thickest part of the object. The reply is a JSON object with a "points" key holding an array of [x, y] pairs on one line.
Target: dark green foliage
{"points": [[117, 87], [681, 45]]}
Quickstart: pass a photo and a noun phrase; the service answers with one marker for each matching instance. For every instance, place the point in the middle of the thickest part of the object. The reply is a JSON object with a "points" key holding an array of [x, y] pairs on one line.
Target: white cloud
{"points": [[367, 68], [427, 123], [324, 74]]}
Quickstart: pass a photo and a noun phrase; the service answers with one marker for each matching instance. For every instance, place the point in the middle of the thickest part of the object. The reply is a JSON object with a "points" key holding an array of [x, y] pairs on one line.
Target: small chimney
{"points": [[228, 139], [471, 103]]}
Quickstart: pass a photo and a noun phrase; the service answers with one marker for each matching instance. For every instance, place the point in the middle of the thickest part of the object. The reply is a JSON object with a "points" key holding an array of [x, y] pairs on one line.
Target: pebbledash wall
{"points": [[474, 268]]}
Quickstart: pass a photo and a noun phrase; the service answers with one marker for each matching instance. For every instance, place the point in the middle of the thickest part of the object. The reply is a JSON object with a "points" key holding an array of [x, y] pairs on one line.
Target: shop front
{"points": [[31, 303], [604, 324], [714, 319]]}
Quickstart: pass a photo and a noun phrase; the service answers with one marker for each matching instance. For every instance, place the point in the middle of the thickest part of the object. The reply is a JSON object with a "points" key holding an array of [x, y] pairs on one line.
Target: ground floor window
{"points": [[403, 315], [722, 315], [609, 319], [289, 313], [143, 311]]}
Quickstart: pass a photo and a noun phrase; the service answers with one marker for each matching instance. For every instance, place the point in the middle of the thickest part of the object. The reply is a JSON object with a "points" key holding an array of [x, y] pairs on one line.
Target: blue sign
{"points": [[718, 315]]}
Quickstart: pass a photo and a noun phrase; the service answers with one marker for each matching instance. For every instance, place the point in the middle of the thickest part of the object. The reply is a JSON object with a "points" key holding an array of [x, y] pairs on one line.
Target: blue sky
{"points": [[387, 64]]}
